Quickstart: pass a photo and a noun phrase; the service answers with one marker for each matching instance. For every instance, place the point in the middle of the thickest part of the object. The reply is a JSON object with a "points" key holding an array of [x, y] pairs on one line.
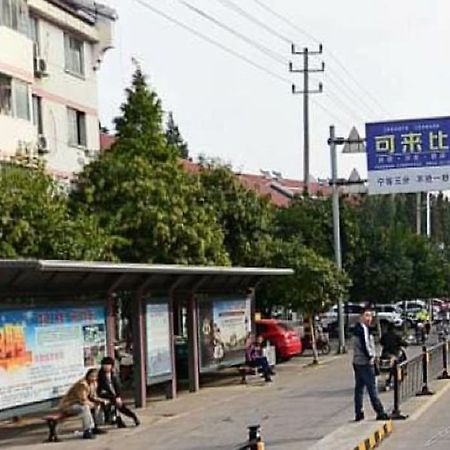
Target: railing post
{"points": [[425, 360], [396, 413], [445, 375]]}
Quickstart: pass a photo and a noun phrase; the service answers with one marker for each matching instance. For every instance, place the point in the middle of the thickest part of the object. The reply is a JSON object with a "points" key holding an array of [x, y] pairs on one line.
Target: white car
{"points": [[389, 314]]}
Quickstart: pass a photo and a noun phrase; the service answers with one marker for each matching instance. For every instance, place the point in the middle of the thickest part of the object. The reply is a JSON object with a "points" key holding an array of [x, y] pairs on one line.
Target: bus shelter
{"points": [[57, 318]]}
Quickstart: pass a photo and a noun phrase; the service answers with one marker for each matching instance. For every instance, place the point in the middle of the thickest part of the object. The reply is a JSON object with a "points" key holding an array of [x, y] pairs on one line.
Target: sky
{"points": [[384, 60]]}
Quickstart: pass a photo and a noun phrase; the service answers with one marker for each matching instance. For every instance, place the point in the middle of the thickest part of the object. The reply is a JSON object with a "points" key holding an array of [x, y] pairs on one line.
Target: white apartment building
{"points": [[50, 51]]}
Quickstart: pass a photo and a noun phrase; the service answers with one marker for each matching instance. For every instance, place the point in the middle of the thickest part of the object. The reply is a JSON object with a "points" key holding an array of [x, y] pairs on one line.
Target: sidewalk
{"points": [[301, 406]]}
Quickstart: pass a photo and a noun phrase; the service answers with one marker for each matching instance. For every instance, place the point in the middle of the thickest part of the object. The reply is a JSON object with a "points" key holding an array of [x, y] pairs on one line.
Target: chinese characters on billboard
{"points": [[224, 327], [408, 156], [159, 349], [43, 351]]}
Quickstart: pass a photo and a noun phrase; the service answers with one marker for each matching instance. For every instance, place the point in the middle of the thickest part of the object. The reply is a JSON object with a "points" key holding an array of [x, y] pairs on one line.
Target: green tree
{"points": [[139, 191], [245, 218], [175, 139], [36, 223], [316, 284]]}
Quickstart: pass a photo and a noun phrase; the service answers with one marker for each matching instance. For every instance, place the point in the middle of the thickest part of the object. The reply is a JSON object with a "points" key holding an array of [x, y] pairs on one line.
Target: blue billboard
{"points": [[408, 155]]}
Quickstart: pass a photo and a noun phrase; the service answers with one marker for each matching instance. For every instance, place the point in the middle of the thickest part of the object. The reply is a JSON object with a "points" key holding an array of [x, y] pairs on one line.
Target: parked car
{"points": [[389, 314], [283, 337], [352, 313]]}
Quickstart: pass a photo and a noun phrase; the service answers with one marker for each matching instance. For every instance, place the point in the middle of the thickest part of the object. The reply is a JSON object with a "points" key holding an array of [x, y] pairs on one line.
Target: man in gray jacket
{"points": [[364, 368]]}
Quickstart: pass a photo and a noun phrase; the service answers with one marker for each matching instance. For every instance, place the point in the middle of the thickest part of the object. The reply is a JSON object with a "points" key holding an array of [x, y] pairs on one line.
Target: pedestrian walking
{"points": [[364, 368]]}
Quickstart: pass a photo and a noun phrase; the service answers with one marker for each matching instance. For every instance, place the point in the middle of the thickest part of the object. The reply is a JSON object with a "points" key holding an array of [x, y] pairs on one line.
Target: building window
{"points": [[37, 114], [21, 100], [77, 127], [14, 14], [74, 53], [34, 34], [5, 95], [14, 98]]}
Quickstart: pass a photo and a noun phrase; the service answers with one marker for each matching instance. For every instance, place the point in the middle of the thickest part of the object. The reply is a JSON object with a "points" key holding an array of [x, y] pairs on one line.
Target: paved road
{"points": [[297, 410], [431, 430]]}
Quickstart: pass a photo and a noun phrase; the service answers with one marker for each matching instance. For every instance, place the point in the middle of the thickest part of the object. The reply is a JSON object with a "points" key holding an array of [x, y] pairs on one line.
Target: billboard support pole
{"points": [[337, 235], [428, 214]]}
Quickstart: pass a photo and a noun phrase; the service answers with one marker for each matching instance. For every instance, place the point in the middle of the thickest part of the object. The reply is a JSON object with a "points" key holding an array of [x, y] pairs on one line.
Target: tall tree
{"points": [[174, 138], [36, 222], [245, 218], [139, 191]]}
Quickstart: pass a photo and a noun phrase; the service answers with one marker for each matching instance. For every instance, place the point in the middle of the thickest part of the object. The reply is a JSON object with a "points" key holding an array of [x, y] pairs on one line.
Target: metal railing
{"points": [[412, 377]]}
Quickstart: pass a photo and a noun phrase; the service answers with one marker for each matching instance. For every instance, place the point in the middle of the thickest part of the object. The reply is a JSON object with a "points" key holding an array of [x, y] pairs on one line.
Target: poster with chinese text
{"points": [[408, 156], [44, 351]]}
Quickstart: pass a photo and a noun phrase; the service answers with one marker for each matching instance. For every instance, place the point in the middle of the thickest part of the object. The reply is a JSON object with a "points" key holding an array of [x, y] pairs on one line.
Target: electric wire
{"points": [[214, 42], [330, 53]]}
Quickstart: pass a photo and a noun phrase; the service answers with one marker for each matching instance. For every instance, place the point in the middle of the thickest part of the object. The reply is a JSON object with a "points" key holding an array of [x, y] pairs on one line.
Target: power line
{"points": [[230, 5], [262, 48], [331, 54], [329, 113], [213, 42]]}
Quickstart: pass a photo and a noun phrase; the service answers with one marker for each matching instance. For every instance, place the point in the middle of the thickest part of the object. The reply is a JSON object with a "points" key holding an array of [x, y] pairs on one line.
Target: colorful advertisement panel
{"points": [[408, 155], [159, 349], [224, 327], [44, 351]]}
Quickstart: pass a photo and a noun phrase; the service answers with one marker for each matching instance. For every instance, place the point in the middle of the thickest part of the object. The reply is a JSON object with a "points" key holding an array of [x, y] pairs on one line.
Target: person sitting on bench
{"points": [[254, 357], [109, 389], [81, 400]]}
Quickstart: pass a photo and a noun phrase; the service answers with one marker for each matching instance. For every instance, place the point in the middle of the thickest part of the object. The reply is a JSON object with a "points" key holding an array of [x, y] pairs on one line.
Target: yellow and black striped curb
{"points": [[376, 437]]}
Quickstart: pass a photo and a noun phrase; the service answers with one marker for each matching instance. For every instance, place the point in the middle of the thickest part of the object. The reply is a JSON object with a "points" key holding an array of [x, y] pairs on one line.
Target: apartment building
{"points": [[50, 52]]}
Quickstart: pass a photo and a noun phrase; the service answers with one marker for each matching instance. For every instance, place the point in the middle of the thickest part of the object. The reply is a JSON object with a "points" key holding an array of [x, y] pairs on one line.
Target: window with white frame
{"points": [[74, 54], [14, 14], [76, 127], [14, 97]]}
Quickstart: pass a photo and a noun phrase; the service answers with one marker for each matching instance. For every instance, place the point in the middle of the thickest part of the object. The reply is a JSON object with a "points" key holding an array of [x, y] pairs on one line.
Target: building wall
{"points": [[58, 89]]}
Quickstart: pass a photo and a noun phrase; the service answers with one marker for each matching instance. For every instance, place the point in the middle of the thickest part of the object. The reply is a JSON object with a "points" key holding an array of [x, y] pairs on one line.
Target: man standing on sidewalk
{"points": [[364, 368]]}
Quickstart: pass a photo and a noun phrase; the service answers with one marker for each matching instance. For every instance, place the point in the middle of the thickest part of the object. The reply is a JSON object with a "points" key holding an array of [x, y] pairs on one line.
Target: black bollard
{"points": [[445, 375], [396, 413], [254, 438], [425, 359]]}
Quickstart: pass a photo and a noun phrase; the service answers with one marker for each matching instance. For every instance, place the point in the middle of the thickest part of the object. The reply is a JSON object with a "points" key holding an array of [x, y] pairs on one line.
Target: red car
{"points": [[284, 338]]}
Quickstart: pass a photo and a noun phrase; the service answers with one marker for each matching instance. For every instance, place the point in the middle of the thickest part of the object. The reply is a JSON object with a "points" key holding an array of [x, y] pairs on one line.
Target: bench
{"points": [[52, 421], [245, 371]]}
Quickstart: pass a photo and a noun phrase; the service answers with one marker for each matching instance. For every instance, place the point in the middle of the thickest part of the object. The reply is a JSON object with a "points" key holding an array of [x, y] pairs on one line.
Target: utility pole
{"points": [[306, 70], [428, 194], [337, 234]]}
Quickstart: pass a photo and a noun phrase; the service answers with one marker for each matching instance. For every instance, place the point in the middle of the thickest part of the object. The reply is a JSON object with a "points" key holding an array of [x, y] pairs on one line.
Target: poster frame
{"points": [[42, 304], [220, 298], [162, 378]]}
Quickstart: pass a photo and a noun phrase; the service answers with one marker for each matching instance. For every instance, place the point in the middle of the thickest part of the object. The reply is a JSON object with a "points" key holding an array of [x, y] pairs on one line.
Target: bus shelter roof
{"points": [[35, 278]]}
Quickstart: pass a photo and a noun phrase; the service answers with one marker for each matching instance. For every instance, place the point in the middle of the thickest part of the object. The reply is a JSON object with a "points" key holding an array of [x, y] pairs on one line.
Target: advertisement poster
{"points": [[225, 325], [159, 353], [44, 351], [408, 155]]}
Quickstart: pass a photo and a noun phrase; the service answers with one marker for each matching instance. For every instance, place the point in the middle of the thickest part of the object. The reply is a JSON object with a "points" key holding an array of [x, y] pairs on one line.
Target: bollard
{"points": [[425, 360], [445, 375], [254, 438], [396, 413]]}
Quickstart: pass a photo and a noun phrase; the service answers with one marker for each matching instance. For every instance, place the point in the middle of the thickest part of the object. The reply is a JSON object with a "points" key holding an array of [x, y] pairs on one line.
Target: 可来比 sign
{"points": [[408, 155]]}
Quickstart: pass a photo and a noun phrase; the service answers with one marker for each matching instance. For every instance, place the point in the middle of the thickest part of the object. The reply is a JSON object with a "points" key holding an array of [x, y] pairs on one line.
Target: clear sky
{"points": [[395, 55]]}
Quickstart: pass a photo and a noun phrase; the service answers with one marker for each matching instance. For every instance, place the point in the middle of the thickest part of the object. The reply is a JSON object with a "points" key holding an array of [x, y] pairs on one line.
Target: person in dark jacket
{"points": [[254, 357], [364, 368], [109, 389]]}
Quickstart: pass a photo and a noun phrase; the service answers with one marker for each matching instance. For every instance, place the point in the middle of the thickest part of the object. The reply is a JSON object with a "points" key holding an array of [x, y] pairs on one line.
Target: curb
{"points": [[376, 437]]}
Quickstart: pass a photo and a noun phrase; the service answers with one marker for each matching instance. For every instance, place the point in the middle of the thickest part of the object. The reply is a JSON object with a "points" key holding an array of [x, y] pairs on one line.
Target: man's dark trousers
{"points": [[365, 377]]}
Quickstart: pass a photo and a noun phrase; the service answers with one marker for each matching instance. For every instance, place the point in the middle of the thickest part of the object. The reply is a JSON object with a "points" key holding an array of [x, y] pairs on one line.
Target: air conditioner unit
{"points": [[42, 145], [40, 67]]}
